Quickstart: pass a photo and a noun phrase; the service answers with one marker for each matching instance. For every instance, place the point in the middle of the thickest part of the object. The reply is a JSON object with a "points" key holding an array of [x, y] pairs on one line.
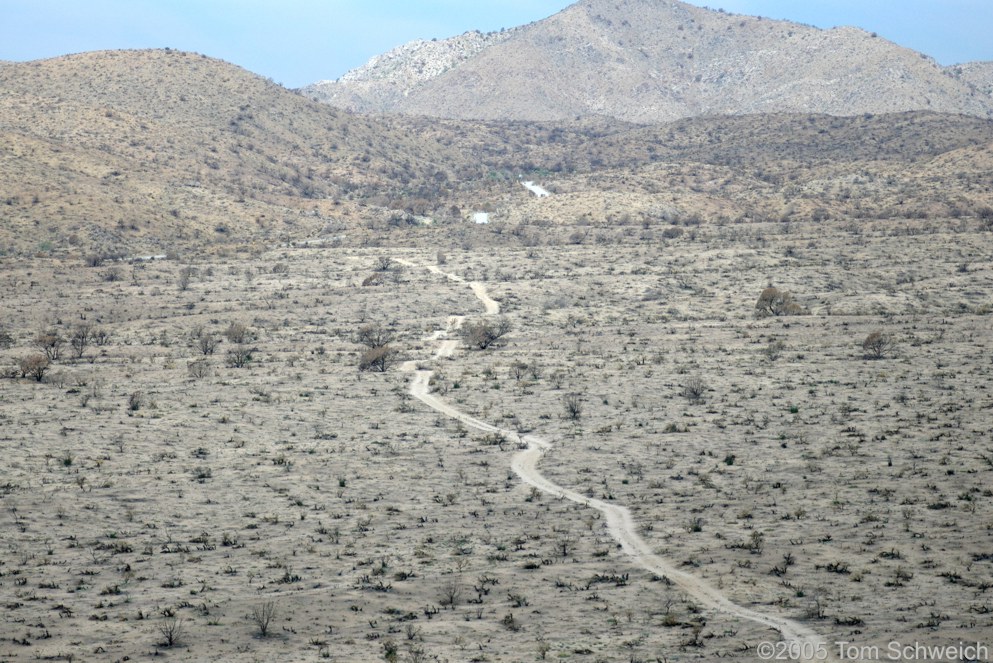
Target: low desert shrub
{"points": [[776, 302], [379, 359], [482, 334], [877, 345]]}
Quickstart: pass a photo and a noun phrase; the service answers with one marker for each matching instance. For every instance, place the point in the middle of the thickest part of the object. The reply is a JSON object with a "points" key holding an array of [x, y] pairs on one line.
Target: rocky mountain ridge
{"points": [[652, 61], [402, 70]]}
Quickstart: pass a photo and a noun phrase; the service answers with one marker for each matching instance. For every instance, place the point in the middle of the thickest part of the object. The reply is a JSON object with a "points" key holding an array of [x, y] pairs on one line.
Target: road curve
{"points": [[620, 523]]}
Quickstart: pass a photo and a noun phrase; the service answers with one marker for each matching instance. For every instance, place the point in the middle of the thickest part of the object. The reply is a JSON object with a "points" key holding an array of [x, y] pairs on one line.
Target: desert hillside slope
{"points": [[979, 75], [652, 61], [159, 148], [157, 152], [386, 79]]}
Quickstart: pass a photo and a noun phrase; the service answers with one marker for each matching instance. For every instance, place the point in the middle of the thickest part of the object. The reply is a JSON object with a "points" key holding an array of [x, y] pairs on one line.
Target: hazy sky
{"points": [[296, 42]]}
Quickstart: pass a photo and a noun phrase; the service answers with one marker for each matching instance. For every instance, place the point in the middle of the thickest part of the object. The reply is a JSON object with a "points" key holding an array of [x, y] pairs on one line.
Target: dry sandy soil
{"points": [[149, 489]]}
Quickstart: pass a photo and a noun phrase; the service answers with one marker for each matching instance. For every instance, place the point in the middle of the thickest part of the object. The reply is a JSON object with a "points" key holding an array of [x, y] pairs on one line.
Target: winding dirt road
{"points": [[620, 523]]}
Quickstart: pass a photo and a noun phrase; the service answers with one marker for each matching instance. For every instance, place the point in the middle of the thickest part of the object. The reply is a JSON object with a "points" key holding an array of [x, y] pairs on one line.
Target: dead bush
{"points": [[694, 389], [262, 616], [573, 404], [877, 345], [171, 630], [450, 593]]}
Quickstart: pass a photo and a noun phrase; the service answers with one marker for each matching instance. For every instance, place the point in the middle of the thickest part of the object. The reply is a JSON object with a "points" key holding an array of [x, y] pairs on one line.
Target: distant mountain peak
{"points": [[652, 61]]}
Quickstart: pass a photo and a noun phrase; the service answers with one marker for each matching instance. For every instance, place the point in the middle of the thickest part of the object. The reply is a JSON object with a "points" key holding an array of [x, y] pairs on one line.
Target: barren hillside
{"points": [[162, 149], [653, 61], [976, 74]]}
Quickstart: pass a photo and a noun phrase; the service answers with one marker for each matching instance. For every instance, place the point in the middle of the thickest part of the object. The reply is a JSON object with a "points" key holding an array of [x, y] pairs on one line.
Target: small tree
{"points": [[82, 335], [484, 333], [241, 336], [262, 616], [34, 365], [374, 335], [205, 342], [379, 359], [101, 336], [877, 345], [240, 355], [238, 332], [185, 276], [199, 368], [774, 301], [50, 342]]}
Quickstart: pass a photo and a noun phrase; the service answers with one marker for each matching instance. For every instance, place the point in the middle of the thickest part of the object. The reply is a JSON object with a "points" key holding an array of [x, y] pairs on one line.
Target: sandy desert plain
{"points": [[163, 502]]}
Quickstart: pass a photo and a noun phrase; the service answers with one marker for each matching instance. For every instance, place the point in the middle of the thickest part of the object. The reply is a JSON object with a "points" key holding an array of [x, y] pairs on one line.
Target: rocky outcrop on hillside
{"points": [[976, 74], [652, 61], [388, 78]]}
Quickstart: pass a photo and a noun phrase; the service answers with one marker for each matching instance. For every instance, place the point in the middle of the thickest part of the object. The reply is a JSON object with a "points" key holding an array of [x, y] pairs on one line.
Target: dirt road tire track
{"points": [[620, 523]]}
